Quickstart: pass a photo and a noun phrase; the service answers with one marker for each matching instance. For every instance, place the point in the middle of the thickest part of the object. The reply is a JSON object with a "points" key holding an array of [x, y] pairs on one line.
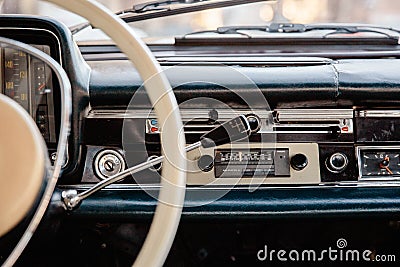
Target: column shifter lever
{"points": [[230, 131]]}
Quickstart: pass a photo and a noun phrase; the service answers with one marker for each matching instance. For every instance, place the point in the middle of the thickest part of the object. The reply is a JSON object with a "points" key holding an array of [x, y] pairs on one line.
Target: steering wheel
{"points": [[173, 184], [27, 180]]}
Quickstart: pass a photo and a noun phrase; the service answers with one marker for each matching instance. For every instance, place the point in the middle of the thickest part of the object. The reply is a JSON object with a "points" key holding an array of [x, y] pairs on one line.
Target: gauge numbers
{"points": [[16, 84], [379, 163], [28, 81]]}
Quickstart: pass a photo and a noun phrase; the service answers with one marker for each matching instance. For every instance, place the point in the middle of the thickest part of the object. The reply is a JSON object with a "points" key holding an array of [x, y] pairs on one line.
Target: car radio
{"points": [[251, 163], [285, 147]]}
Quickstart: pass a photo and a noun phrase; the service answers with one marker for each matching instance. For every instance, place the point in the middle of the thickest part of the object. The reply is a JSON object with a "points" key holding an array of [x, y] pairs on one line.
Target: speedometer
{"points": [[28, 81]]}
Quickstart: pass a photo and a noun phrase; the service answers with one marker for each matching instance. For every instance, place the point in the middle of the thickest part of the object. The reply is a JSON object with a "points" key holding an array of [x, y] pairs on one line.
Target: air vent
{"points": [[313, 121], [199, 121], [199, 126], [194, 126]]}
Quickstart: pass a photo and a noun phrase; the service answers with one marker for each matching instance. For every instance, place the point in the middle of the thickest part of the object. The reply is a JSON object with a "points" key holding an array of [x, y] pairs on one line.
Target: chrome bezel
{"points": [[374, 178], [59, 59], [103, 153], [334, 169]]}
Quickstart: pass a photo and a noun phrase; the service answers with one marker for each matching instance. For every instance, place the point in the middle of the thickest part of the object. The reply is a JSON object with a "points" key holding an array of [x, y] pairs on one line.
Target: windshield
{"points": [[380, 12]]}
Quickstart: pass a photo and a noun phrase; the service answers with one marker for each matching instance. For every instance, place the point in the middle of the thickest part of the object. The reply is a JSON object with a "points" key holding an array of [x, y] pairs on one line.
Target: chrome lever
{"points": [[228, 132], [72, 198]]}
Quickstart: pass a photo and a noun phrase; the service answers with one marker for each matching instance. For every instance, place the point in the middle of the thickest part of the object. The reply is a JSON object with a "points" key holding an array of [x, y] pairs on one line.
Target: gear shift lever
{"points": [[233, 130]]}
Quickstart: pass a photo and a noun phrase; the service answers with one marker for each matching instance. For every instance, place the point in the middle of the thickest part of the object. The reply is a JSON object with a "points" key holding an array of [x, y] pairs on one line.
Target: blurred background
{"points": [[381, 12]]}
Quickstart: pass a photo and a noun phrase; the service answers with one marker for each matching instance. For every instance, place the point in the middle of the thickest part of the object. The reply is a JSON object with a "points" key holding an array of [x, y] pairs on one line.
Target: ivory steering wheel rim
{"points": [[50, 175], [20, 142], [172, 193]]}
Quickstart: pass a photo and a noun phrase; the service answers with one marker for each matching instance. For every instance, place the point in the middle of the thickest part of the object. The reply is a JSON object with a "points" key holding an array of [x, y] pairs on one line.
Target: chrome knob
{"points": [[337, 162], [254, 122]]}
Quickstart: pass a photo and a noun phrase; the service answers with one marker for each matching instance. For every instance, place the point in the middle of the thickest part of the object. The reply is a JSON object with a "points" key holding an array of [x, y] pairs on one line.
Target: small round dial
{"points": [[299, 162], [380, 163]]}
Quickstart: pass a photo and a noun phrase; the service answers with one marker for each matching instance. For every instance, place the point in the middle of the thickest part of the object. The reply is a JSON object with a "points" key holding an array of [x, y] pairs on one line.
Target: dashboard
{"points": [[327, 138]]}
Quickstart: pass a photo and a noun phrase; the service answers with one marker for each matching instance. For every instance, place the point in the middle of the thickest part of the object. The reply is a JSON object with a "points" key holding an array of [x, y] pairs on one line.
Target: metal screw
{"points": [[53, 156]]}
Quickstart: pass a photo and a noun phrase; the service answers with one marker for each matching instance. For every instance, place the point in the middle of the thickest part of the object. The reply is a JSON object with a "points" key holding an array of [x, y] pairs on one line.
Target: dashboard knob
{"points": [[205, 163], [254, 122], [337, 162], [299, 162]]}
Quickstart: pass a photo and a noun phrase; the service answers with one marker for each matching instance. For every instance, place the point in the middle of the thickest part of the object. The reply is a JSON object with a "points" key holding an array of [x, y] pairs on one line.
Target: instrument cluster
{"points": [[28, 81]]}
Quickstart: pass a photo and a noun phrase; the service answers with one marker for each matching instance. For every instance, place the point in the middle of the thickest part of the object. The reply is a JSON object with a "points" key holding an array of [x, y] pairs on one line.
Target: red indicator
{"points": [[153, 129], [345, 129]]}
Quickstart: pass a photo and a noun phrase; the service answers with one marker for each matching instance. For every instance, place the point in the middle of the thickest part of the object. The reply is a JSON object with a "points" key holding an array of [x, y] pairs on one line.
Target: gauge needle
{"points": [[388, 170], [386, 166], [40, 88]]}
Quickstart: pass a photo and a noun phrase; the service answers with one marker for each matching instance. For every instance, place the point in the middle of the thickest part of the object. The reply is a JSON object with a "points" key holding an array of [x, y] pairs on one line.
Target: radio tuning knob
{"points": [[254, 122], [205, 163], [299, 162]]}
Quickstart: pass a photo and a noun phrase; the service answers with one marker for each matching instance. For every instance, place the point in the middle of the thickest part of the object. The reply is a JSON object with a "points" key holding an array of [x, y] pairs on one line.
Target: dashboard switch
{"points": [[337, 162], [299, 162], [254, 122]]}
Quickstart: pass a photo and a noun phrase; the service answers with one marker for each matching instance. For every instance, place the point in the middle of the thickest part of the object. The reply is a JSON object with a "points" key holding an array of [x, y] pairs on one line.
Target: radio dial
{"points": [[205, 163], [299, 162], [254, 122]]}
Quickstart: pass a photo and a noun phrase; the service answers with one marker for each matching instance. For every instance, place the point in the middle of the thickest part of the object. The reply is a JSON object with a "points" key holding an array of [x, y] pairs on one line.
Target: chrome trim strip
{"points": [[300, 132], [286, 115], [344, 118], [377, 113], [123, 187], [185, 113], [220, 60], [283, 115]]}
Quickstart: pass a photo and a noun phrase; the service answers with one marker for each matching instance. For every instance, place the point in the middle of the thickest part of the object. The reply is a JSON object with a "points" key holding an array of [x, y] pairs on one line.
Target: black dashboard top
{"points": [[342, 83]]}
